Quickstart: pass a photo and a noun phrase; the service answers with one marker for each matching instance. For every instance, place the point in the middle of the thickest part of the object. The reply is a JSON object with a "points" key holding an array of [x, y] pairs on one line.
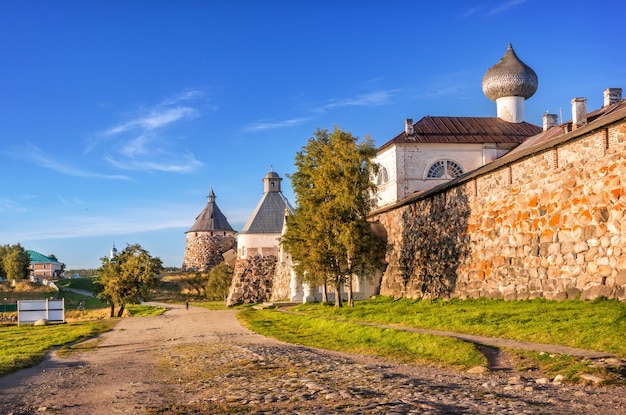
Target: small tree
{"points": [[328, 236], [14, 262], [219, 281], [128, 278]]}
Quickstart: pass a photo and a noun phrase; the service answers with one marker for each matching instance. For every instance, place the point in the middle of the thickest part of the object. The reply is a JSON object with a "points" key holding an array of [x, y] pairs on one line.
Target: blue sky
{"points": [[116, 117]]}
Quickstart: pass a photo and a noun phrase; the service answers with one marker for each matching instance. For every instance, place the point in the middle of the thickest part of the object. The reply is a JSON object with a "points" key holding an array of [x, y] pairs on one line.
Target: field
{"points": [[599, 325]]}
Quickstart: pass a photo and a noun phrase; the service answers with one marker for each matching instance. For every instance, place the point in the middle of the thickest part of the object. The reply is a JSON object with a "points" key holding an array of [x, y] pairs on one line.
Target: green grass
{"points": [[141, 310], [209, 305], [25, 346], [84, 284], [598, 325], [72, 300], [334, 335]]}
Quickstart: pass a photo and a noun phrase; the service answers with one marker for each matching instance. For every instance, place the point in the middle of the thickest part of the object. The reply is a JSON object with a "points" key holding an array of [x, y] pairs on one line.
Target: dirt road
{"points": [[198, 361]]}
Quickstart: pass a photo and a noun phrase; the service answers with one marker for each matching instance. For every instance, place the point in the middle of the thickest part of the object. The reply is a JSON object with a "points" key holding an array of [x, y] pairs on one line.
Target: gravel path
{"points": [[200, 361]]}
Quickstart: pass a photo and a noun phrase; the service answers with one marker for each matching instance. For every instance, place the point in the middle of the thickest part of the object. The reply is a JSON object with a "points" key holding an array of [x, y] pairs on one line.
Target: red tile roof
{"points": [[467, 130]]}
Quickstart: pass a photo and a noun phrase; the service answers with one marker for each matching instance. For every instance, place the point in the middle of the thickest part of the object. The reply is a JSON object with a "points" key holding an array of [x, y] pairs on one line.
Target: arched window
{"points": [[444, 169], [383, 176]]}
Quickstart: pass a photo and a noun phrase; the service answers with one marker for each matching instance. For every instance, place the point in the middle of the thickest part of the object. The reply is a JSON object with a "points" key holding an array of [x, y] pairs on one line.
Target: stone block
{"points": [[596, 291], [573, 293]]}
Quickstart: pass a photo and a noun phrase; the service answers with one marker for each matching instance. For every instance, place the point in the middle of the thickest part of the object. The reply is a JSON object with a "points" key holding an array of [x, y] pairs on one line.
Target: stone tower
{"points": [[258, 258], [208, 239], [509, 83]]}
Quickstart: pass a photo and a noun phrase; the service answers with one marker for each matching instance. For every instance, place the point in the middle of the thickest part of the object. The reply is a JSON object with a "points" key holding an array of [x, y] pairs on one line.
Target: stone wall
{"points": [[203, 250], [548, 225], [281, 289], [253, 280]]}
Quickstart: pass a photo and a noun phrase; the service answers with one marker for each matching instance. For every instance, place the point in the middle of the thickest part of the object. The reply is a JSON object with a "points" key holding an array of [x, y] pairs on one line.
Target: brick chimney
{"points": [[579, 112], [549, 121], [612, 95], [408, 126]]}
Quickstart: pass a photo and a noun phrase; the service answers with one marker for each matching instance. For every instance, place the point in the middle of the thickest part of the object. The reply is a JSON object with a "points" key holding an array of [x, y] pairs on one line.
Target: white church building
{"points": [[436, 149], [425, 154]]}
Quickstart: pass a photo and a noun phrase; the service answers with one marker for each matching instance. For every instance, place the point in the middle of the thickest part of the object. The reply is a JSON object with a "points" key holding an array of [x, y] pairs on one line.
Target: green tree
{"points": [[128, 278], [219, 281], [328, 236], [14, 262], [54, 258]]}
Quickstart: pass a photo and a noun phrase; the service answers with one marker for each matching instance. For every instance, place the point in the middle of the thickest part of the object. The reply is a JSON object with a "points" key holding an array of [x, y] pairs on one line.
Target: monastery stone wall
{"points": [[281, 289], [551, 225], [204, 250], [253, 280]]}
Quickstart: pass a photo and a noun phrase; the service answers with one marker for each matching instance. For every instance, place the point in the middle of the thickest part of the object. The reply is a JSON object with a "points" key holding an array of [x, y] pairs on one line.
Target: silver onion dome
{"points": [[510, 78]]}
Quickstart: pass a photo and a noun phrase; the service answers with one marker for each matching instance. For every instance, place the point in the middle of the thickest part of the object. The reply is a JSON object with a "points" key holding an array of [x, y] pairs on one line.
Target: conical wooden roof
{"points": [[211, 218]]}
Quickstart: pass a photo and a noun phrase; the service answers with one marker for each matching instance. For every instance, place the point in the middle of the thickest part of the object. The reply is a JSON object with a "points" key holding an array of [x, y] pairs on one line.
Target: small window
{"points": [[445, 169], [383, 176]]}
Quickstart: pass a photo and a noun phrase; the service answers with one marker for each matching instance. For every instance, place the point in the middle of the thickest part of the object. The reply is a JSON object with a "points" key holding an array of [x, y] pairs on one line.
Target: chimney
{"points": [[549, 121], [408, 126], [579, 112], [612, 95]]}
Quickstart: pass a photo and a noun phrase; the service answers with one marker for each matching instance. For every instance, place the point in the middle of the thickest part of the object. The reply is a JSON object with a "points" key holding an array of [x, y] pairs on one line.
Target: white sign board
{"points": [[29, 311]]}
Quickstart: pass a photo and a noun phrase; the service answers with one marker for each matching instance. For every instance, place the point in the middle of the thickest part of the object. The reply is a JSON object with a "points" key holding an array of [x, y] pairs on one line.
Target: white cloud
{"points": [[182, 164], [364, 100], [145, 143], [116, 222], [67, 167], [272, 125], [158, 118], [10, 205], [505, 6]]}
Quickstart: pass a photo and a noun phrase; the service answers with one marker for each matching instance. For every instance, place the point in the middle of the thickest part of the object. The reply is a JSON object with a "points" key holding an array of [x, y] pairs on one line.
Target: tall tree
{"points": [[14, 262], [219, 280], [128, 278], [328, 236]]}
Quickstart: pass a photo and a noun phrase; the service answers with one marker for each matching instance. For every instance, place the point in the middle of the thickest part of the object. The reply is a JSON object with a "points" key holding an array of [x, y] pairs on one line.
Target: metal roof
{"points": [[466, 130], [510, 78], [36, 257], [269, 215], [211, 218], [543, 141]]}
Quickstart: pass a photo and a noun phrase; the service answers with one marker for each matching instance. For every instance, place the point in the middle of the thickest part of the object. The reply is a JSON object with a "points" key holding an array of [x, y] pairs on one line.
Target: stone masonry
{"points": [[253, 280], [204, 250], [549, 224]]}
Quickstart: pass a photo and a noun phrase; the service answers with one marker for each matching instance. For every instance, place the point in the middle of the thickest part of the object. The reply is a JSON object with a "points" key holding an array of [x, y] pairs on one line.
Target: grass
{"points": [[24, 346], [569, 366], [209, 305], [84, 284], [340, 336], [142, 310], [598, 325]]}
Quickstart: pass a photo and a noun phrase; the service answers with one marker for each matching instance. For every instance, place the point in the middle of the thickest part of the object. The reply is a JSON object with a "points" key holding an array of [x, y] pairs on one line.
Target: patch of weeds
{"points": [[79, 347], [571, 367], [198, 409]]}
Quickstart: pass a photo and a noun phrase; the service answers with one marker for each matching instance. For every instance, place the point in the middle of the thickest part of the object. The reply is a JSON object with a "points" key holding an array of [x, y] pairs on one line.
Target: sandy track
{"points": [[199, 361], [120, 375]]}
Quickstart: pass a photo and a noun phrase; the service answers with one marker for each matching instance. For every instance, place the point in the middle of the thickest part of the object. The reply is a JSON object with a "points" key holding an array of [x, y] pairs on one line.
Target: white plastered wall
{"points": [[408, 164], [256, 242]]}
